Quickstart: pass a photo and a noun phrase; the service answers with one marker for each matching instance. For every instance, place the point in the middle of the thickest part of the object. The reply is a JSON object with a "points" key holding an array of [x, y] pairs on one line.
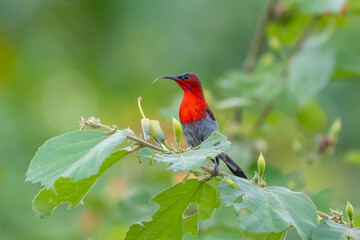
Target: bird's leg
{"points": [[216, 166]]}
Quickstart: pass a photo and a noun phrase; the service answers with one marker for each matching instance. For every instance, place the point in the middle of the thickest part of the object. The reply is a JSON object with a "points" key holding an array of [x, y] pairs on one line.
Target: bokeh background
{"points": [[60, 60]]}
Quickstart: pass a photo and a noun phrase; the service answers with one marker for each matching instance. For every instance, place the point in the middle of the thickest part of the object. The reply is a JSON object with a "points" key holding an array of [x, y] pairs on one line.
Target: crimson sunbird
{"points": [[197, 119]]}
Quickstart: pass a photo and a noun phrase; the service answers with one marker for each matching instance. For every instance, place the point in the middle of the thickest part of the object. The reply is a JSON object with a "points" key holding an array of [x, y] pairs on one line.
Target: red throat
{"points": [[193, 107]]}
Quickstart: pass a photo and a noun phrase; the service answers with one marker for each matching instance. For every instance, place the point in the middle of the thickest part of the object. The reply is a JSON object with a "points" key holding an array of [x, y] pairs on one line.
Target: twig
{"points": [[304, 35], [323, 215], [250, 60], [147, 144], [95, 123], [263, 115], [332, 218]]}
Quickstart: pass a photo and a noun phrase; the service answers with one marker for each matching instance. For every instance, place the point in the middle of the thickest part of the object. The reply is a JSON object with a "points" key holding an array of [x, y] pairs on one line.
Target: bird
{"points": [[197, 119]]}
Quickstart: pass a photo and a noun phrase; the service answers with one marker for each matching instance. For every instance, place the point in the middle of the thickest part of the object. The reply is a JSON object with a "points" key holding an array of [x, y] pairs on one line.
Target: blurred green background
{"points": [[60, 60]]}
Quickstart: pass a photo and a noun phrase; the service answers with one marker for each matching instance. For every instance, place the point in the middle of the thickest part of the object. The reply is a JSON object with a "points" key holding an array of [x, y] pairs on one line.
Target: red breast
{"points": [[192, 108]]}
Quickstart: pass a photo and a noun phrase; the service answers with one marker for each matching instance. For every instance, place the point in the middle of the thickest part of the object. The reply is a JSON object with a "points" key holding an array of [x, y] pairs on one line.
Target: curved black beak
{"points": [[175, 78]]}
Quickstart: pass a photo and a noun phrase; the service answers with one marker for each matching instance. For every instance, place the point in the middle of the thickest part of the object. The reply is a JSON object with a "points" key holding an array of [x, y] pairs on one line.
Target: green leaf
{"points": [[320, 6], [264, 236], [344, 42], [263, 86], [233, 102], [214, 235], [66, 191], [269, 209], [310, 71], [182, 207], [329, 230], [75, 155], [287, 31], [214, 145], [230, 234], [146, 153]]}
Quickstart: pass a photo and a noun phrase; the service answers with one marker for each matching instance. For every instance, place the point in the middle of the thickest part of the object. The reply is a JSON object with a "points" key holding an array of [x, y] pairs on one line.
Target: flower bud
{"points": [[256, 178], [156, 132], [335, 129], [177, 130], [145, 125], [231, 183], [261, 165], [350, 213]]}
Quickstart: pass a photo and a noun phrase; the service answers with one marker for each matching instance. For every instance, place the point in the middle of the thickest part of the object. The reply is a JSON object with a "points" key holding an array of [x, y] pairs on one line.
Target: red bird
{"points": [[197, 119]]}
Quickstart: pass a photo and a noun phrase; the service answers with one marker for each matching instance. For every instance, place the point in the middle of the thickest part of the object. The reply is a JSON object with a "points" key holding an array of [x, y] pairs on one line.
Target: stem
{"points": [[95, 123], [250, 60], [323, 215], [304, 35], [332, 218], [263, 115], [146, 144], [140, 108]]}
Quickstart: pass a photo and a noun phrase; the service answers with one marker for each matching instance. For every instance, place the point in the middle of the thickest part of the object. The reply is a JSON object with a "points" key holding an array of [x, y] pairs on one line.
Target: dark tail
{"points": [[234, 168]]}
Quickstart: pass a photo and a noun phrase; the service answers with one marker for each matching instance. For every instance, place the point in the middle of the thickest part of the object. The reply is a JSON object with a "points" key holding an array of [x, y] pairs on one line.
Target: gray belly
{"points": [[196, 132]]}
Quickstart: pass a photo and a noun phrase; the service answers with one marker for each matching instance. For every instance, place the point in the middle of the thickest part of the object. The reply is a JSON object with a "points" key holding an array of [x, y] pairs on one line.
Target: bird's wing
{"points": [[210, 113]]}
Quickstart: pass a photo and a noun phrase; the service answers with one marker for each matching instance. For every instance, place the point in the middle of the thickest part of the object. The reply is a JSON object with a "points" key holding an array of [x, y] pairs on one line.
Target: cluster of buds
{"points": [[94, 122], [152, 128], [259, 175], [337, 216]]}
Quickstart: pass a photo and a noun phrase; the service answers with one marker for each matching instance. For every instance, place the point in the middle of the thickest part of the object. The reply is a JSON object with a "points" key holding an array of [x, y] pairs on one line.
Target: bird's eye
{"points": [[186, 77]]}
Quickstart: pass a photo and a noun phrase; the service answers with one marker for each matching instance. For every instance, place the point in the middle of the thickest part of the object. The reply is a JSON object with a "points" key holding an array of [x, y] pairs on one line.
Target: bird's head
{"points": [[189, 82]]}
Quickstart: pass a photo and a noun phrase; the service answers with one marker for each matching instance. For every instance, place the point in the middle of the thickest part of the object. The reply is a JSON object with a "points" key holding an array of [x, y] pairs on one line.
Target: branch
{"points": [[147, 144], [323, 215], [263, 115], [250, 60], [95, 123], [304, 35], [332, 218]]}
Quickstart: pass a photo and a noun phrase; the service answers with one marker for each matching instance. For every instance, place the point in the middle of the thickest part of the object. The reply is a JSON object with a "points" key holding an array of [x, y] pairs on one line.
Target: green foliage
{"points": [[320, 6], [264, 236], [255, 88], [332, 230], [174, 217], [67, 191], [310, 71], [311, 116], [214, 145], [276, 208], [69, 165], [76, 155], [312, 44]]}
